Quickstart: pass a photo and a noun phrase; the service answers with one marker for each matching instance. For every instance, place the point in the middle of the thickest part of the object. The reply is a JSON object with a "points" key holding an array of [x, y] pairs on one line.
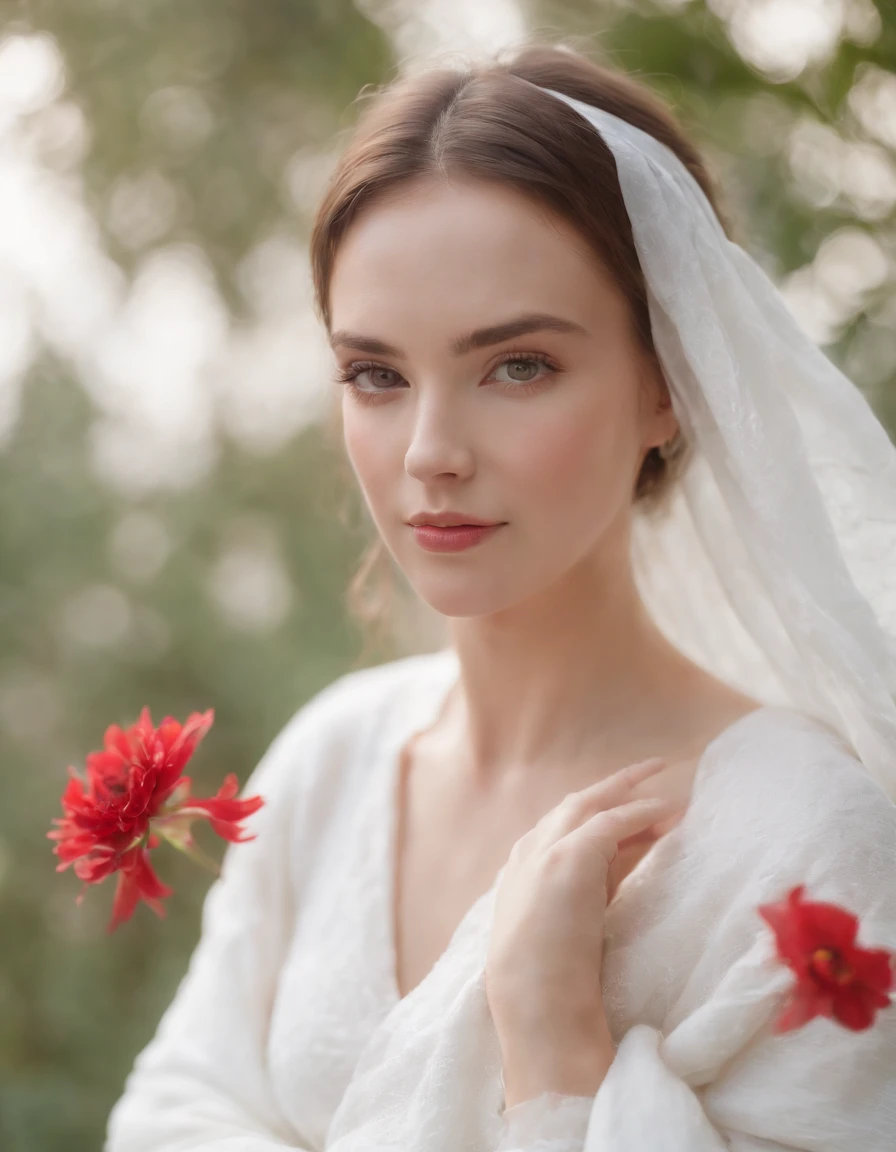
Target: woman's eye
{"points": [[370, 378], [522, 370], [379, 377]]}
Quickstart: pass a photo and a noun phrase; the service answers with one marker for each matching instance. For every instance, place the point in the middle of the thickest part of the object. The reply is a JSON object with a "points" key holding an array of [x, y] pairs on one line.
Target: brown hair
{"points": [[488, 123]]}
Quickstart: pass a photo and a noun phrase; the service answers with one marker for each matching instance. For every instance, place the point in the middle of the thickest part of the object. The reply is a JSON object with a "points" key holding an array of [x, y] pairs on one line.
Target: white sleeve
{"points": [[718, 1078], [201, 1084], [552, 1122], [823, 1089]]}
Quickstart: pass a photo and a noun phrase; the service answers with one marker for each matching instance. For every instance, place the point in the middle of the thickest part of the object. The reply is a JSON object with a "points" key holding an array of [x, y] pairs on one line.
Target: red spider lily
{"points": [[835, 976], [132, 795]]}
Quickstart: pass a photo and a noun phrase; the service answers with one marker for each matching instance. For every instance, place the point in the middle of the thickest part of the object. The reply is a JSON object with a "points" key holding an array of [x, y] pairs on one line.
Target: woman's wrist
{"points": [[569, 1066]]}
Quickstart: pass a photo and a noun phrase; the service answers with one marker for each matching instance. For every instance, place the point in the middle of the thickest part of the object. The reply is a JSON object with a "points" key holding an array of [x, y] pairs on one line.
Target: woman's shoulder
{"points": [[342, 723], [784, 801], [781, 759], [368, 698]]}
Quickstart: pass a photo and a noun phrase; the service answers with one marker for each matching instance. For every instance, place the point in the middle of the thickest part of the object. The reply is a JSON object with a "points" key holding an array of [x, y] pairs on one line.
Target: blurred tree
{"points": [[224, 592]]}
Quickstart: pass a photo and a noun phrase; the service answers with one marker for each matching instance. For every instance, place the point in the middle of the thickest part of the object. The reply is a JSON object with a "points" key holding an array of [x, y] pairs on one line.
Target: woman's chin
{"points": [[458, 605], [467, 597]]}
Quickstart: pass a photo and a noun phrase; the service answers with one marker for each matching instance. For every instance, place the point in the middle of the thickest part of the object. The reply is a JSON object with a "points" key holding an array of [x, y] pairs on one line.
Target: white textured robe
{"points": [[288, 1030]]}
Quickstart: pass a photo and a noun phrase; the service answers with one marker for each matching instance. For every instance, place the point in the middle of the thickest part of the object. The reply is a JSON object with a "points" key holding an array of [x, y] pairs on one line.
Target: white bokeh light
{"points": [[271, 377], [32, 73], [50, 243], [420, 28], [140, 544], [783, 37], [149, 373], [58, 136], [872, 100], [98, 616], [828, 293], [179, 116], [141, 208], [249, 583], [830, 171]]}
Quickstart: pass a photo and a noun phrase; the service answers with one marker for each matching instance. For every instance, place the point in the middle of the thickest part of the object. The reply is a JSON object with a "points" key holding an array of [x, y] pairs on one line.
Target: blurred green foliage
{"points": [[105, 601]]}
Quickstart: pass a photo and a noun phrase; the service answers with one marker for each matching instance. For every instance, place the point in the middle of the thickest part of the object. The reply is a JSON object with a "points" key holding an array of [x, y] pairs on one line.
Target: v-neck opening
{"points": [[430, 714]]}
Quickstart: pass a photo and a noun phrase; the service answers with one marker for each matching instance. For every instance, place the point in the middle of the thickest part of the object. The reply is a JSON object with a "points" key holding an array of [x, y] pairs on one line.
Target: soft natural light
{"points": [[249, 583], [165, 365], [826, 294], [782, 37], [424, 27], [872, 99], [32, 74]]}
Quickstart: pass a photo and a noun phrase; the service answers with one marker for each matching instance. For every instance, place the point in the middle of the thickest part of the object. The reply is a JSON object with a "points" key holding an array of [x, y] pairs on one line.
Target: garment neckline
{"points": [[424, 716]]}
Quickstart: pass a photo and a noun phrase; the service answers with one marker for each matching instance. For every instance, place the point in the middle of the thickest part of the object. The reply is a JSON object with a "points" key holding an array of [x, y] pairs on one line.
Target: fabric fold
{"points": [[552, 1122]]}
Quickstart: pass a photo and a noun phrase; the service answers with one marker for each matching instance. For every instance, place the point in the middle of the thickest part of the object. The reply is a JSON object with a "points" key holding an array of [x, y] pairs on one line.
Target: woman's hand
{"points": [[544, 954]]}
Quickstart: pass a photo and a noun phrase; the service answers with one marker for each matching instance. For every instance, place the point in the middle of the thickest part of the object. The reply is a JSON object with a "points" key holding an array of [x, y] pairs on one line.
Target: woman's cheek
{"points": [[566, 458], [368, 453]]}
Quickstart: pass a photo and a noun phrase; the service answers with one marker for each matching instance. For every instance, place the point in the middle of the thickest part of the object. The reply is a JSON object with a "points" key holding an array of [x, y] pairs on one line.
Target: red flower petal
{"points": [[824, 924], [126, 896], [135, 883], [801, 1006], [223, 811], [835, 976], [855, 1008], [232, 832], [787, 927], [874, 967], [179, 743]]}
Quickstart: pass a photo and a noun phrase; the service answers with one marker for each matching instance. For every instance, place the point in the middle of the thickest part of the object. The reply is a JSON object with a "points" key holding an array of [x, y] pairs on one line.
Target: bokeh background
{"points": [[178, 526]]}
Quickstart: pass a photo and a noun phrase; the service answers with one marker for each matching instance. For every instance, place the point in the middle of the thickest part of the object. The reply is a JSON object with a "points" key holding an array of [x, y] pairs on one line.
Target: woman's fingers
{"points": [[611, 826], [616, 788], [652, 832], [610, 792]]}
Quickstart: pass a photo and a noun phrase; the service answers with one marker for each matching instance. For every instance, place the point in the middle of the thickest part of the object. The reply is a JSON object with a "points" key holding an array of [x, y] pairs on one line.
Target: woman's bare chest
{"points": [[450, 842], [448, 849]]}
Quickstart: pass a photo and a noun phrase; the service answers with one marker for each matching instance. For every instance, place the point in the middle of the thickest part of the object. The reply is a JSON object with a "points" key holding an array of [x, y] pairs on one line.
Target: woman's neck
{"points": [[566, 677]]}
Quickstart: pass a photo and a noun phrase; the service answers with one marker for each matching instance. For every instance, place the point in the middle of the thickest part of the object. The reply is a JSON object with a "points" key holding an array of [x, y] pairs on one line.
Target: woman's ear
{"points": [[661, 423]]}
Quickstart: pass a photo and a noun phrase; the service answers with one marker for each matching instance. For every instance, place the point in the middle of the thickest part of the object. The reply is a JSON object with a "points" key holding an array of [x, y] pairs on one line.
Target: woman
{"points": [[504, 896]]}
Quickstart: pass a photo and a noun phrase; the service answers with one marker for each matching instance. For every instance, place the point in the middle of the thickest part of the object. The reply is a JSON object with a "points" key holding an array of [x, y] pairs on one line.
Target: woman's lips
{"points": [[452, 539]]}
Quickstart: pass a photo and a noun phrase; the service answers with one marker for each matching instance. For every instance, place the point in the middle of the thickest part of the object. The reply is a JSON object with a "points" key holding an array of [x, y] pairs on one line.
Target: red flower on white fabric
{"points": [[134, 794], [835, 976]]}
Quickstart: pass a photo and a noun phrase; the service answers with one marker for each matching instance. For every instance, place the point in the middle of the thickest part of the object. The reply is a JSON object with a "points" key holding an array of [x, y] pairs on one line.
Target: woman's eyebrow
{"points": [[481, 338]]}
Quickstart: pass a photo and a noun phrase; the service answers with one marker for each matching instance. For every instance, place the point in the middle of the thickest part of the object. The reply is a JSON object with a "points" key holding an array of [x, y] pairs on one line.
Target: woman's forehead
{"points": [[473, 254]]}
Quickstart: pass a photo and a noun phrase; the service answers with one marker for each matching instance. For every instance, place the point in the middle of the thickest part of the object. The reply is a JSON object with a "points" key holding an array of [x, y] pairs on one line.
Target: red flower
{"points": [[133, 794], [835, 976]]}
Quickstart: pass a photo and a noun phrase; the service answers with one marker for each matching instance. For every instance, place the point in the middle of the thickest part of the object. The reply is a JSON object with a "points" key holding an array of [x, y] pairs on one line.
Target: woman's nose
{"points": [[440, 442]]}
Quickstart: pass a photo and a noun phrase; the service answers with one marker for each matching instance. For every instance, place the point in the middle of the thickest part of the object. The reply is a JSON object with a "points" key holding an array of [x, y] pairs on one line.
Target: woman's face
{"points": [[542, 429]]}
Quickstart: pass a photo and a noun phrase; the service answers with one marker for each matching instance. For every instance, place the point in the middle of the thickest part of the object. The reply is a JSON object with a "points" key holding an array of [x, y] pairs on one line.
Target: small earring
{"points": [[666, 449]]}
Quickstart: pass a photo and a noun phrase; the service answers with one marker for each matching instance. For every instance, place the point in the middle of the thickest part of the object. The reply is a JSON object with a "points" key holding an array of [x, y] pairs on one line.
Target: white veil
{"points": [[775, 567]]}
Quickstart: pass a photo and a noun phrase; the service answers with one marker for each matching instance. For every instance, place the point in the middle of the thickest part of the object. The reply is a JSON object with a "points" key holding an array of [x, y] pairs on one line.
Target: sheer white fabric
{"points": [[777, 566], [287, 1030]]}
